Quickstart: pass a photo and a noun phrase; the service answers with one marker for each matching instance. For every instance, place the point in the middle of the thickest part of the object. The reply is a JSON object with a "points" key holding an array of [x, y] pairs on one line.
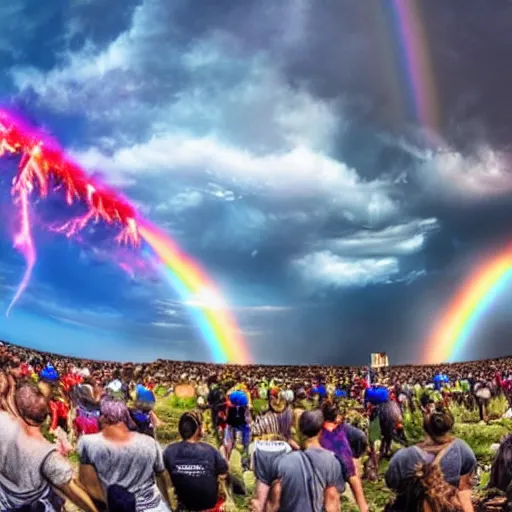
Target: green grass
{"points": [[480, 437]]}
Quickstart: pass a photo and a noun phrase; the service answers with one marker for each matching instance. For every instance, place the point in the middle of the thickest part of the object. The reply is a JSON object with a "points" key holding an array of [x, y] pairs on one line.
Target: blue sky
{"points": [[260, 137]]}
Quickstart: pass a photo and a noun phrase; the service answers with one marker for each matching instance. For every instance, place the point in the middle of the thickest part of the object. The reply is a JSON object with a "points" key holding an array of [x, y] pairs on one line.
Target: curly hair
{"points": [[31, 403], [434, 491]]}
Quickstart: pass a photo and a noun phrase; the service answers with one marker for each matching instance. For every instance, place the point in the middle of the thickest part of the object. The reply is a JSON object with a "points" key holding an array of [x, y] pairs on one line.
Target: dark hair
{"points": [[329, 410], [311, 422], [438, 423], [501, 470], [188, 425], [31, 403]]}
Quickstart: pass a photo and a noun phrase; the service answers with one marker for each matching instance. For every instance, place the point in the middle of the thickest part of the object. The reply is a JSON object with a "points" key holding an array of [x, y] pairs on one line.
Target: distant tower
{"points": [[379, 360]]}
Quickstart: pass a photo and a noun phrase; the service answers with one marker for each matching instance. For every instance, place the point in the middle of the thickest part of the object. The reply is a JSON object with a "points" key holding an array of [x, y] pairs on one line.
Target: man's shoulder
{"points": [[171, 448], [8, 424], [408, 456], [6, 418], [320, 453], [89, 440]]}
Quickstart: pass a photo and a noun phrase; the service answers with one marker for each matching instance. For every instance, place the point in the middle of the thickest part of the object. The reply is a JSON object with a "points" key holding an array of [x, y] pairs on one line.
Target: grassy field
{"points": [[480, 437]]}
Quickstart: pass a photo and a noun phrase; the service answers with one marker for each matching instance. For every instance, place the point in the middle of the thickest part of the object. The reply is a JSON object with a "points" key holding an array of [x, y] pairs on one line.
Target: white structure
{"points": [[379, 360]]}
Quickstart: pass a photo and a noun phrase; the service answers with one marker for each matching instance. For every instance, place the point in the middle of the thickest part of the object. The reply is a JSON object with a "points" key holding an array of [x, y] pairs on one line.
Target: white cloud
{"points": [[209, 109], [399, 240], [181, 202], [451, 174], [291, 175], [327, 270], [167, 325]]}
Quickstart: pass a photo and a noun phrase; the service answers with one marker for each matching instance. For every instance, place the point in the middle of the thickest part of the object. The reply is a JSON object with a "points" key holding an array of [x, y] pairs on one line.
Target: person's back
{"points": [[30, 466], [194, 466], [304, 476], [438, 469], [308, 481], [131, 464], [27, 465]]}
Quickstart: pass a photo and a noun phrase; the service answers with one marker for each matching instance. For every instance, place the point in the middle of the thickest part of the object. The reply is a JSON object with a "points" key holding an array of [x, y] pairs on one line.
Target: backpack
{"points": [[428, 489], [237, 409], [377, 395], [143, 422]]}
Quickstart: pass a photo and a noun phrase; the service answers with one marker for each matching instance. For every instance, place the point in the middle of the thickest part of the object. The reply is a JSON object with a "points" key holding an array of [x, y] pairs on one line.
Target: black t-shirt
{"points": [[194, 468]]}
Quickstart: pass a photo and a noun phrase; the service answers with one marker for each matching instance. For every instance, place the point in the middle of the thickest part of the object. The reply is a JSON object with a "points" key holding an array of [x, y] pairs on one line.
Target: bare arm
{"points": [[77, 495], [260, 498], [357, 489], [89, 480], [331, 499], [157, 422], [465, 494], [163, 483], [274, 497]]}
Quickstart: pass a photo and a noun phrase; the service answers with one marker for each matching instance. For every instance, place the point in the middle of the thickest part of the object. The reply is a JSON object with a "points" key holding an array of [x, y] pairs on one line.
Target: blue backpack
{"points": [[377, 395], [238, 399]]}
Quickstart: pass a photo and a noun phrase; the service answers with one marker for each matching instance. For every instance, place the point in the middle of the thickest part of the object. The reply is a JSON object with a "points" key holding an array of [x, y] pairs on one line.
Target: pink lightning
{"points": [[25, 245], [43, 163]]}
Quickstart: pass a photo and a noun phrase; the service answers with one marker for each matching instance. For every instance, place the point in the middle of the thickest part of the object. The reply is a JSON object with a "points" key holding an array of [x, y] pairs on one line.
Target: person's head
{"points": [[311, 423], [114, 412], [438, 423], [330, 411], [32, 404], [190, 426], [501, 470]]}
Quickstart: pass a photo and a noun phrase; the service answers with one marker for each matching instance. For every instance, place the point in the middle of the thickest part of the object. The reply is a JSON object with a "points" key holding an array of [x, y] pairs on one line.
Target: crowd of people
{"points": [[301, 445]]}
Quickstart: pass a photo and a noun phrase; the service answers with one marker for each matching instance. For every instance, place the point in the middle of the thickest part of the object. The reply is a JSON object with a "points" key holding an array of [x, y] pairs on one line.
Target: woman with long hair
{"points": [[436, 474]]}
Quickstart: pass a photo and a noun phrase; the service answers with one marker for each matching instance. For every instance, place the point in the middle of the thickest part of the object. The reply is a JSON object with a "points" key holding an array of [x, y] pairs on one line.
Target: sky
{"points": [[280, 144]]}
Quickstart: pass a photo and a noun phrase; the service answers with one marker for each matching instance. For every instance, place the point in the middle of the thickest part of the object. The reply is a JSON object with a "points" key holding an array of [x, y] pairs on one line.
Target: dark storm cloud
{"points": [[277, 144]]}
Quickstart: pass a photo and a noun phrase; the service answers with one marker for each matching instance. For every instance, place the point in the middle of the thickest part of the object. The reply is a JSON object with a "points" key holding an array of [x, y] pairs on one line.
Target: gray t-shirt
{"points": [[27, 466], [131, 465], [264, 457], [458, 460], [304, 477]]}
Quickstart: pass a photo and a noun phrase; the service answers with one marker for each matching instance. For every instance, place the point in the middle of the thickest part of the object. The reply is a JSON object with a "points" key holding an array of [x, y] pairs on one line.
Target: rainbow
{"points": [[470, 304], [415, 62], [197, 291]]}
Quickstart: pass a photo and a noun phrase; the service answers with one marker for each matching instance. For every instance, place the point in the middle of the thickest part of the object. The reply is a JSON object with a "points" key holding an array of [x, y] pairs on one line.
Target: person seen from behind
{"points": [[309, 480], [195, 467], [30, 466], [119, 467], [335, 439], [435, 475]]}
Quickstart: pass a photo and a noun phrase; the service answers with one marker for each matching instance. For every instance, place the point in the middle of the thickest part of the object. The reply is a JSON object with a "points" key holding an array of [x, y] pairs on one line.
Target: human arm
{"points": [[157, 422], [357, 489], [331, 499], [163, 482], [221, 464], [77, 495], [258, 503], [465, 493], [161, 475], [59, 473], [274, 497], [293, 444], [89, 480]]}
